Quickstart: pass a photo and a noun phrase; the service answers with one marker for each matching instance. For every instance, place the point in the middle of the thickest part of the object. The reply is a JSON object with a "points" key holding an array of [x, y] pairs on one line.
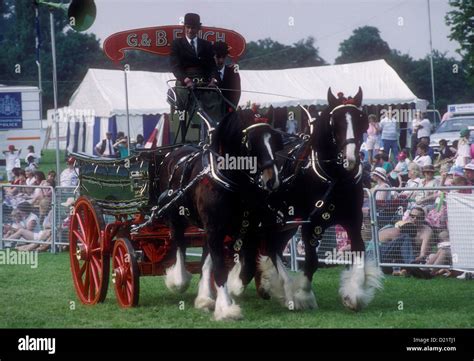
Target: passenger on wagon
{"points": [[229, 77]]}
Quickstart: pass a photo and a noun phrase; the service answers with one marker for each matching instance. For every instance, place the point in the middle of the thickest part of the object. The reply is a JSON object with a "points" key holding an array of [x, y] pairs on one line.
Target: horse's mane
{"points": [[320, 137], [228, 134]]}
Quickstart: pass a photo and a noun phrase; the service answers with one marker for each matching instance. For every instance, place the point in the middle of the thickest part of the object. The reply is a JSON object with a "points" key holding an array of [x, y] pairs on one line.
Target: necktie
{"points": [[221, 72], [110, 147], [194, 45]]}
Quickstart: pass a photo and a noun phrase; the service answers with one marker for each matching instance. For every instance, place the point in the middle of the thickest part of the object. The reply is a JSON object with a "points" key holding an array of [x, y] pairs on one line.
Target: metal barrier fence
{"points": [[335, 240], [424, 228], [27, 217], [403, 227], [65, 198]]}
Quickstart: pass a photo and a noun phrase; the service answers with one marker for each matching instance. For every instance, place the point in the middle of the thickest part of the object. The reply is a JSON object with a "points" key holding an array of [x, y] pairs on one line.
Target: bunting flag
{"points": [[160, 135]]}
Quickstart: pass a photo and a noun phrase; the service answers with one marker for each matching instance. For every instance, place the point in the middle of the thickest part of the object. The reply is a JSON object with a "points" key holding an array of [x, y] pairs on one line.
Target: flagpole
{"points": [[128, 113], [38, 63], [55, 89], [431, 58]]}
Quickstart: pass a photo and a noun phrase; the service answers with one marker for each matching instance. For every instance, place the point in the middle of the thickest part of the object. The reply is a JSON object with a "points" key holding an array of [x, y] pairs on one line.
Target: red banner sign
{"points": [[157, 40]]}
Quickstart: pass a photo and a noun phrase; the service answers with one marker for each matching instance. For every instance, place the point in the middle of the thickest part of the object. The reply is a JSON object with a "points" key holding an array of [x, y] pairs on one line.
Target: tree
{"points": [[461, 20], [270, 54], [451, 83], [76, 52], [364, 44]]}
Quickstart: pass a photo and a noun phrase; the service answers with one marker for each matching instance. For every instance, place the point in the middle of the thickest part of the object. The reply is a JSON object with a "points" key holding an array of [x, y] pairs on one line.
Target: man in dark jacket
{"points": [[229, 78], [192, 63]]}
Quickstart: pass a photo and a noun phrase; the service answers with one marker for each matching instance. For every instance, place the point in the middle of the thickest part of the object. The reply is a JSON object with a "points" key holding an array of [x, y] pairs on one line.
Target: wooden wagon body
{"points": [[123, 192]]}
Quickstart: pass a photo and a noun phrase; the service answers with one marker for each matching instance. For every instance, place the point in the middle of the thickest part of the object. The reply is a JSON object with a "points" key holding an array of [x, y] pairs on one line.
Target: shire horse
{"points": [[217, 201], [322, 186]]}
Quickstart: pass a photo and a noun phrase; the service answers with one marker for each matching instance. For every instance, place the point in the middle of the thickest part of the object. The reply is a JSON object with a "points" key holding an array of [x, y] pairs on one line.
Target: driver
{"points": [[192, 63]]}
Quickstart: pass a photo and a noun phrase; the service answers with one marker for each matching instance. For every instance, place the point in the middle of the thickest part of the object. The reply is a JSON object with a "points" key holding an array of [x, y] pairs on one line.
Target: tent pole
{"points": [[128, 114]]}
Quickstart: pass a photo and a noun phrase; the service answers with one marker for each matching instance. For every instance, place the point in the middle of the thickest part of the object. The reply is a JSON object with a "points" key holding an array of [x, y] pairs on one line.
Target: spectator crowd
{"points": [[27, 200]]}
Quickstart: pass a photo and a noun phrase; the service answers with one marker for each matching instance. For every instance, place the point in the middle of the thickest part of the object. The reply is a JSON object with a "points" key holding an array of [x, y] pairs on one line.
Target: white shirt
{"points": [[291, 126], [464, 151], [424, 128], [382, 195], [389, 128], [107, 149], [221, 72], [31, 154], [193, 41], [30, 181], [31, 217], [12, 160], [68, 178], [423, 160]]}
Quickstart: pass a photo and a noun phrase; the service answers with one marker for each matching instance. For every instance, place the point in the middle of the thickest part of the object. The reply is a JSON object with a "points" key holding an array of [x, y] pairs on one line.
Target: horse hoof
{"points": [[204, 303], [228, 313], [263, 294], [351, 304], [304, 300], [180, 285]]}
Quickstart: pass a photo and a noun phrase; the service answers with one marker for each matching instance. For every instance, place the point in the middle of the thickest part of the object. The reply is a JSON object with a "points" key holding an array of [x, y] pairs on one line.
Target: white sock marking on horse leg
{"points": [[286, 282], [226, 308], [205, 298], [177, 277], [358, 285], [268, 273], [303, 294], [236, 287]]}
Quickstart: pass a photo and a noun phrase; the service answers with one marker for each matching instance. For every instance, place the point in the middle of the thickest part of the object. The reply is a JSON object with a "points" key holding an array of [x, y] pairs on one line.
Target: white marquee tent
{"points": [[103, 91]]}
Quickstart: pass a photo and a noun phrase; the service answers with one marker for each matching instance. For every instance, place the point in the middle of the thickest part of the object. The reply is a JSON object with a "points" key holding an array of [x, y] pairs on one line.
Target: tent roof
{"points": [[104, 90]]}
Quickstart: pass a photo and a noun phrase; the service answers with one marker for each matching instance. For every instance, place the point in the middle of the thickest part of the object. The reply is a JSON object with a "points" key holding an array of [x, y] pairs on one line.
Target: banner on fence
{"points": [[460, 209]]}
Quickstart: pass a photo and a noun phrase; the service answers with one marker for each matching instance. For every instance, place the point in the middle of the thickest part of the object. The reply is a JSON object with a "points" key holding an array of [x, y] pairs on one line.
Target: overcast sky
{"points": [[402, 23]]}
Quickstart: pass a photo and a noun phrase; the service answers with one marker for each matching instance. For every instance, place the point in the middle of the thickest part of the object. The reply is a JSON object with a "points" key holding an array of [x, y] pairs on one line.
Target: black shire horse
{"points": [[217, 199], [322, 185]]}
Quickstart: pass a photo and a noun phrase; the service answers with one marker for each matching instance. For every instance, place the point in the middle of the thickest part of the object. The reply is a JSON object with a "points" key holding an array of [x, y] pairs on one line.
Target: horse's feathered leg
{"points": [[360, 281], [225, 307], [304, 297], [205, 299], [177, 277]]}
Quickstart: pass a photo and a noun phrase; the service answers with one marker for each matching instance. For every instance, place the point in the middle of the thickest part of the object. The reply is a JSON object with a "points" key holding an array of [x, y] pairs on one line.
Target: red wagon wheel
{"points": [[125, 273], [90, 265]]}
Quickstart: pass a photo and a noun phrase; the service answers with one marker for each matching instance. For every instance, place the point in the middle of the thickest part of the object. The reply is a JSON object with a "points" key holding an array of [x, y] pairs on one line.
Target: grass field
{"points": [[48, 160], [42, 298]]}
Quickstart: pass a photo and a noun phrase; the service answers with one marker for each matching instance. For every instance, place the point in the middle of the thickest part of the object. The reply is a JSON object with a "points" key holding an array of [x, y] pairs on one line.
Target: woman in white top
{"points": [[423, 158], [414, 172], [463, 155], [379, 175], [427, 198]]}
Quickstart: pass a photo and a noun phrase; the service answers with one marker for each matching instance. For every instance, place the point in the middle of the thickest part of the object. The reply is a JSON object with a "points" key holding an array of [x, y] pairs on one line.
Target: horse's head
{"points": [[338, 132], [261, 142], [238, 134]]}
